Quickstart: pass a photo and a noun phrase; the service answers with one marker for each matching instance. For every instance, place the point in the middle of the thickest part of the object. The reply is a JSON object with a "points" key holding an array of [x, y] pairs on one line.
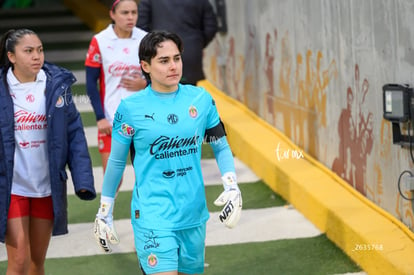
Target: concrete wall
{"points": [[314, 69]]}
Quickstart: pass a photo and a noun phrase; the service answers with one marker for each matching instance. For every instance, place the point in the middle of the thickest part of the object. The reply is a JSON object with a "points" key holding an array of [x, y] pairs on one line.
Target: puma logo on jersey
{"points": [[150, 116]]}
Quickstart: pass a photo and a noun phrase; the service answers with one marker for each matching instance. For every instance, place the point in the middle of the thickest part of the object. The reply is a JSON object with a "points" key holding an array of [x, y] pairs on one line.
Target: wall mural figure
{"points": [[347, 136], [270, 113], [356, 138]]}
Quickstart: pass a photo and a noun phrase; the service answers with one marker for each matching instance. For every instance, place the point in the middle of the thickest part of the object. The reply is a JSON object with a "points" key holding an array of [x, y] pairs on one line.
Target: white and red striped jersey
{"points": [[116, 57]]}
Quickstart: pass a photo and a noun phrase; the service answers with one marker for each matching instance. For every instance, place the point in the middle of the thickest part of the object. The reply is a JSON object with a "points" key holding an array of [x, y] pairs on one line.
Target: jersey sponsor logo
{"points": [[32, 144], [127, 130], [166, 147], [177, 153], [168, 174], [23, 116], [164, 143], [120, 69], [25, 120], [172, 119], [193, 111], [24, 144], [37, 143], [181, 172]]}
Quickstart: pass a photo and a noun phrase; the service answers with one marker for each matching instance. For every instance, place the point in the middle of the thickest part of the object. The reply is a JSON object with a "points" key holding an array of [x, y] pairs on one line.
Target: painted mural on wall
{"points": [[356, 139], [404, 209], [236, 73], [301, 97], [308, 81]]}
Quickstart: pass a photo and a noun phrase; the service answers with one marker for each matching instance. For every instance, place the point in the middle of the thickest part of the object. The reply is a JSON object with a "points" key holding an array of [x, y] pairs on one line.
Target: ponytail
{"points": [[4, 60]]}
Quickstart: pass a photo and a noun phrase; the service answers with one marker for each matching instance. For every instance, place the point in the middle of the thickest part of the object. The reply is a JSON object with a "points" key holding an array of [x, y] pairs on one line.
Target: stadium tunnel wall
{"points": [[290, 79], [314, 69]]}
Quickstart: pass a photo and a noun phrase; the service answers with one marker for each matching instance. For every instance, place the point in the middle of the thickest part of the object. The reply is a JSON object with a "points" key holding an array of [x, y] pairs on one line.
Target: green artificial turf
{"points": [[255, 195], [206, 151], [96, 156], [80, 90], [88, 119], [310, 256], [73, 65]]}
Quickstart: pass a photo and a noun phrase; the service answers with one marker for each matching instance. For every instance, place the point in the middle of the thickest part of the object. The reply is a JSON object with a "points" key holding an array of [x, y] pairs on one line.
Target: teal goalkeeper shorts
{"points": [[162, 251]]}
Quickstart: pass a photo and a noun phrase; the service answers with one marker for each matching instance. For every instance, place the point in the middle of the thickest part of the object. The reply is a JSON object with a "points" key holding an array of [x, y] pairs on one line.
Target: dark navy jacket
{"points": [[193, 20], [67, 146]]}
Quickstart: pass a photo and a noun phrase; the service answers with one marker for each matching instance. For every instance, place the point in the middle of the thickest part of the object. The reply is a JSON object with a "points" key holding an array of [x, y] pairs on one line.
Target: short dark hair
{"points": [[150, 43]]}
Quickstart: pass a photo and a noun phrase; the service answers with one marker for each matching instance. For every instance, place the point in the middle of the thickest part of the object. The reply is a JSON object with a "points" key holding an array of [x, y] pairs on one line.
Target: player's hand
{"points": [[134, 81], [231, 199], [104, 126], [104, 229]]}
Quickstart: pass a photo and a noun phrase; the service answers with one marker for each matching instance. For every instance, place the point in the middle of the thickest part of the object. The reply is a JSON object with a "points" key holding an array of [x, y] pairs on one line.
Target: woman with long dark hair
{"points": [[41, 133]]}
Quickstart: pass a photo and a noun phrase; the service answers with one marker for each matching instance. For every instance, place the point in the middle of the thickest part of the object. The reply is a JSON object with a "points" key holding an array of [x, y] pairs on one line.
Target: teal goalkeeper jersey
{"points": [[167, 131]]}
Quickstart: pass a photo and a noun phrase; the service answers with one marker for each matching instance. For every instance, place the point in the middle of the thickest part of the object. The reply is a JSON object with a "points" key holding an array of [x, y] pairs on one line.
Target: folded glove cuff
{"points": [[106, 206], [229, 181]]}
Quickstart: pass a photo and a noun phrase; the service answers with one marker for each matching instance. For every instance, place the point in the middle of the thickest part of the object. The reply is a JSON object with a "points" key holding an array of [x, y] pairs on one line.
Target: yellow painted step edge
{"points": [[372, 237]]}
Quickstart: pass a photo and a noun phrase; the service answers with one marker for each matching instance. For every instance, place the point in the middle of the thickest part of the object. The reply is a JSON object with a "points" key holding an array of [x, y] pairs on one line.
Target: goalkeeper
{"points": [[167, 122]]}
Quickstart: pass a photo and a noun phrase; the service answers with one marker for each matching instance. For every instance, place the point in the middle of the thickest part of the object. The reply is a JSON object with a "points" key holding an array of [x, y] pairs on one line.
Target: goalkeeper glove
{"points": [[104, 229], [231, 199]]}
